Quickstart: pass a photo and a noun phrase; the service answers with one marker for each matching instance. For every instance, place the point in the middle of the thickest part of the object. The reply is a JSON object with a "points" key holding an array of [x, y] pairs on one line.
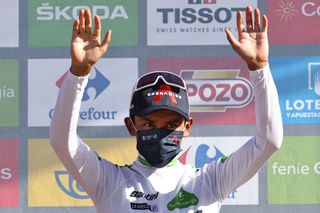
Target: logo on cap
{"points": [[164, 90]]}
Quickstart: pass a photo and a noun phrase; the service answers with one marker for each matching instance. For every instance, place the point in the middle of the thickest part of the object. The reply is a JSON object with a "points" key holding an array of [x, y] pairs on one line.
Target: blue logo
{"points": [[69, 186], [99, 83], [298, 83], [202, 157]]}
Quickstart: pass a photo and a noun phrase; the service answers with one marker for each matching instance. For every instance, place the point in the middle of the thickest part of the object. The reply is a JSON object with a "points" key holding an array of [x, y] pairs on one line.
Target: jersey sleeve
{"points": [[80, 161], [228, 174]]}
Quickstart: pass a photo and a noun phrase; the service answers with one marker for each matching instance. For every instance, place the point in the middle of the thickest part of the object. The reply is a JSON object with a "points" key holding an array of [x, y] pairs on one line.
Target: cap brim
{"points": [[152, 109]]}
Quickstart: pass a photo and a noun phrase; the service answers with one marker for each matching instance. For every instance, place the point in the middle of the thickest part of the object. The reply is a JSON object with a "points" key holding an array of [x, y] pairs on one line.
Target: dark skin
{"points": [[87, 48], [161, 119]]}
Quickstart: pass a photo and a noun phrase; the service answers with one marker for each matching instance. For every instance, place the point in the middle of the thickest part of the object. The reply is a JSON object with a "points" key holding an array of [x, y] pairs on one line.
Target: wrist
{"points": [[80, 70], [257, 65]]}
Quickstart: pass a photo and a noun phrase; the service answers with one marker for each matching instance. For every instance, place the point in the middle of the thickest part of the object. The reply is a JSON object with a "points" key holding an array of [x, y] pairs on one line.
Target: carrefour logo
{"points": [[97, 81], [201, 155], [46, 12], [217, 90], [192, 13], [97, 84], [69, 186]]}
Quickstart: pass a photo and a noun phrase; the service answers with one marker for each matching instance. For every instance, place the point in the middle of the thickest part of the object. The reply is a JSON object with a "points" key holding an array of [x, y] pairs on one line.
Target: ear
{"points": [[130, 127], [189, 123]]}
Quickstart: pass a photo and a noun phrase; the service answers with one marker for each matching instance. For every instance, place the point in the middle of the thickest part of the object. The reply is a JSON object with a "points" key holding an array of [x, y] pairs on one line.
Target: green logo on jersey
{"points": [[294, 172], [51, 21], [182, 200], [223, 159], [9, 93]]}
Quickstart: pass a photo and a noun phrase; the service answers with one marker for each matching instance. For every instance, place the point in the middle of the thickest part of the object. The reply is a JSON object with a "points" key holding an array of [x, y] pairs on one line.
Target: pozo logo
{"points": [[47, 12], [216, 90]]}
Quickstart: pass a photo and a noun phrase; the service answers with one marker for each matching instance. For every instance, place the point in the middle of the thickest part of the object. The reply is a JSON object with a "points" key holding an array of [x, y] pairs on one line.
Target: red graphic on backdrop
{"points": [[293, 22], [8, 173]]}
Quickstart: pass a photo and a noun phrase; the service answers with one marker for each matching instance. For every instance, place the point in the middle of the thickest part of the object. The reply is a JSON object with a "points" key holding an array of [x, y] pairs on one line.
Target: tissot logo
{"points": [[192, 22], [193, 15], [97, 81]]}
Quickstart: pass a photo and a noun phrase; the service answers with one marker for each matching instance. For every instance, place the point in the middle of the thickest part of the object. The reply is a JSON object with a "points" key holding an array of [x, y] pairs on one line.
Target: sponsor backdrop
{"points": [[183, 36]]}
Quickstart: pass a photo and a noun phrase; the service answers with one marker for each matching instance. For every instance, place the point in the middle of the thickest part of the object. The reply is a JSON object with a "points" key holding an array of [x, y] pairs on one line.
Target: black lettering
{"points": [[165, 13], [189, 15], [217, 15], [205, 15]]}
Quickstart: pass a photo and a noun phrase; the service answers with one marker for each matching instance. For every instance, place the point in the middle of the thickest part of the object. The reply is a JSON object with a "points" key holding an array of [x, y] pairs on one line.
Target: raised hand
{"points": [[86, 46], [252, 46]]}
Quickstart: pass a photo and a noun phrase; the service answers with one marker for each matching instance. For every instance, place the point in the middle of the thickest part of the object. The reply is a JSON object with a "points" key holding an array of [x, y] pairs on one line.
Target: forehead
{"points": [[162, 116]]}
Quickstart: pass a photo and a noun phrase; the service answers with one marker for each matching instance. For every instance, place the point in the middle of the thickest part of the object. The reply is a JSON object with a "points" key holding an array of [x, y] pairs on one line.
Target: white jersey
{"points": [[176, 187]]}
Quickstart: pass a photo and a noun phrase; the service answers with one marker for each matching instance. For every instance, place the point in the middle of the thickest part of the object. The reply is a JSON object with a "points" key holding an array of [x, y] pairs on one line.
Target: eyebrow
{"points": [[174, 120]]}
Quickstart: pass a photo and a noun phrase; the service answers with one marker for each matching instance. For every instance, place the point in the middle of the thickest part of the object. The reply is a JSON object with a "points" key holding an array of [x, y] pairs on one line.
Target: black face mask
{"points": [[159, 146]]}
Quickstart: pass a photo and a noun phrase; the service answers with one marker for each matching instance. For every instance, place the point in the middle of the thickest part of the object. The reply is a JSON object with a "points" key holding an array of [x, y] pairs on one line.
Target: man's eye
{"points": [[172, 126], [149, 125]]}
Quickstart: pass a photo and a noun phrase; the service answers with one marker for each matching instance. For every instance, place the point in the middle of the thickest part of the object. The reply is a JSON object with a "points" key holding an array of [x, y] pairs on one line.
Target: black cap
{"points": [[160, 96]]}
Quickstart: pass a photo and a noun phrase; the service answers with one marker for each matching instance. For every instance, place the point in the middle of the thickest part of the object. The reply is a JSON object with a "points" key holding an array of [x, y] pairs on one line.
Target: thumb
{"points": [[232, 40], [106, 41]]}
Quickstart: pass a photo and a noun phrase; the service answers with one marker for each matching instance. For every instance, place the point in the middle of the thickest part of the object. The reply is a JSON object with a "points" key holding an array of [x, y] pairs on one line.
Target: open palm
{"points": [[86, 46], [252, 45]]}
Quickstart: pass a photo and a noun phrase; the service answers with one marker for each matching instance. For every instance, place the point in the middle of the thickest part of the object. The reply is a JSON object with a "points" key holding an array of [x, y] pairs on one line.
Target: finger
{"points": [[240, 24], [75, 29], [106, 41], [257, 27], [249, 19], [88, 23], [81, 21], [264, 24], [97, 26], [232, 40]]}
